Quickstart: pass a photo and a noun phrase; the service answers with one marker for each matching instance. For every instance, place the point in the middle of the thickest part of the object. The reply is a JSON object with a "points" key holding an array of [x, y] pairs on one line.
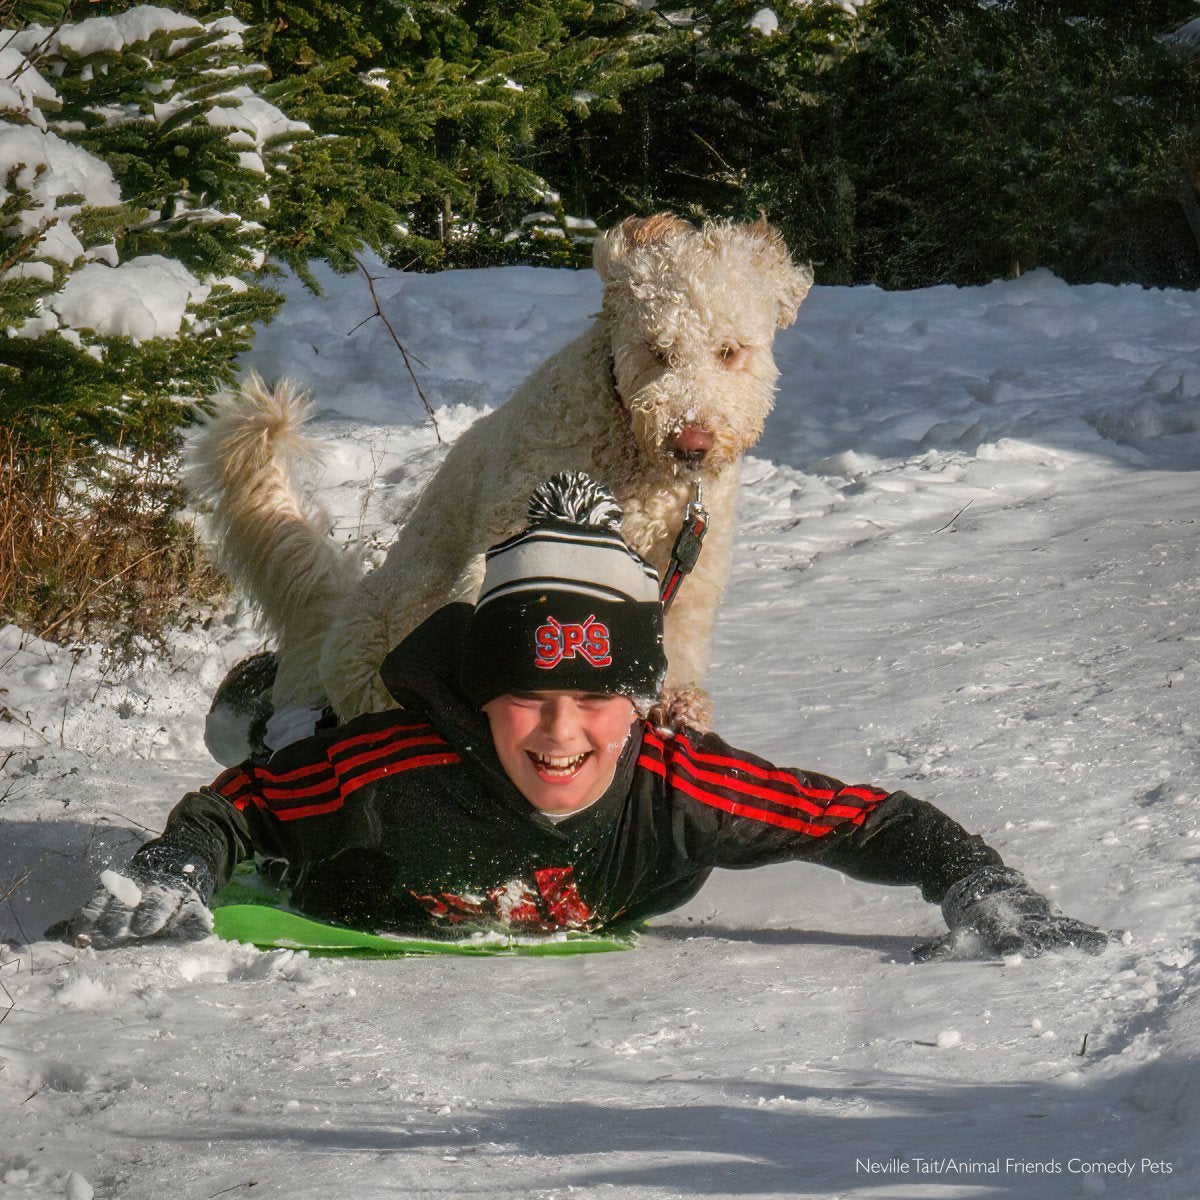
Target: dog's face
{"points": [[692, 316]]}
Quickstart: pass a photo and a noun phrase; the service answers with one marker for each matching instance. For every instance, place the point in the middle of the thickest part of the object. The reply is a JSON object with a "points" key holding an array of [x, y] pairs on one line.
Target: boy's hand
{"points": [[996, 906], [162, 899]]}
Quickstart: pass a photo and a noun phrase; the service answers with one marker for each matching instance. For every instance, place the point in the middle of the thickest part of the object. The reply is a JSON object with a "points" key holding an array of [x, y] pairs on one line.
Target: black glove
{"points": [[998, 908], [163, 892]]}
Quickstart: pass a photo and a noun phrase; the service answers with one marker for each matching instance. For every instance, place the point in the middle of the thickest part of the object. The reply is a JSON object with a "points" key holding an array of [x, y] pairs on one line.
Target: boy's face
{"points": [[560, 748]]}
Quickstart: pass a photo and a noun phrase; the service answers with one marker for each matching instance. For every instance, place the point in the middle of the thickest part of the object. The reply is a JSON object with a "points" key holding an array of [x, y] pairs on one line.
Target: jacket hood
{"points": [[421, 673]]}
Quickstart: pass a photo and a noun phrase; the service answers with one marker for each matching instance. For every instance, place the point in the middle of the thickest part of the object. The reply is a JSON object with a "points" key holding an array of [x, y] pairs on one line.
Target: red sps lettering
{"points": [[555, 641]]}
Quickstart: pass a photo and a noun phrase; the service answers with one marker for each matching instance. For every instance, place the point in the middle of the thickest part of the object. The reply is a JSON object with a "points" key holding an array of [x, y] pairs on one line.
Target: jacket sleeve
{"points": [[737, 810], [312, 799], [206, 824]]}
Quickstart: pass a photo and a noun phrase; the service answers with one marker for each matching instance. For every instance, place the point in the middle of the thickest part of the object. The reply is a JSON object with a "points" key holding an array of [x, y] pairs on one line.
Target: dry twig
{"points": [[408, 359]]}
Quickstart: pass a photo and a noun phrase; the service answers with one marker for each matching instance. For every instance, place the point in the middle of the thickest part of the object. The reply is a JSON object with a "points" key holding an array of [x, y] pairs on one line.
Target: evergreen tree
{"points": [[909, 142], [989, 139], [429, 111], [135, 156], [737, 124]]}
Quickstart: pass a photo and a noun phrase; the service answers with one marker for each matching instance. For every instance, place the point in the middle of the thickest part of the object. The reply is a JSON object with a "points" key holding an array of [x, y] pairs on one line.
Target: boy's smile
{"points": [[555, 767], [560, 748]]}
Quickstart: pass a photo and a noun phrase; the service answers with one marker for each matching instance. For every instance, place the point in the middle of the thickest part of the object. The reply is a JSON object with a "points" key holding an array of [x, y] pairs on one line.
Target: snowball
{"points": [[949, 1038], [122, 887]]}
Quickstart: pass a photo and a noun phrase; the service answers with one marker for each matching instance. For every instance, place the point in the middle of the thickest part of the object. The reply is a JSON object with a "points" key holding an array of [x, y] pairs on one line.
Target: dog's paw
{"points": [[676, 707]]}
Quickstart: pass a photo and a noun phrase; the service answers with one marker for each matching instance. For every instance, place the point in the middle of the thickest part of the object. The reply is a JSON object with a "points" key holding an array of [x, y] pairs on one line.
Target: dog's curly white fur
{"points": [[672, 383], [270, 534]]}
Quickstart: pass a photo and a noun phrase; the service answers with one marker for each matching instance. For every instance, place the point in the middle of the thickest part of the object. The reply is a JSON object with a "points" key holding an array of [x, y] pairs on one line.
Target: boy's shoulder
{"points": [[397, 728], [687, 745], [317, 774]]}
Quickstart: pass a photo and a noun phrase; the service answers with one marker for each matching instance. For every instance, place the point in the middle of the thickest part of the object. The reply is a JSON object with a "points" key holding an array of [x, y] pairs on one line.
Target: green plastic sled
{"points": [[249, 909]]}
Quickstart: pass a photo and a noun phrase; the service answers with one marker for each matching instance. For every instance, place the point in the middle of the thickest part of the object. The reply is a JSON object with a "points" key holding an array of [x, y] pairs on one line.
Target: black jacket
{"points": [[405, 820]]}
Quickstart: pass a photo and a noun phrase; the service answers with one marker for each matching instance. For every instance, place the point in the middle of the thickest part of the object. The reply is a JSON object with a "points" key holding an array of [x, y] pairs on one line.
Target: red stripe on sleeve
{"points": [[337, 769], [348, 786], [271, 791], [428, 738], [234, 785], [820, 802], [732, 806]]}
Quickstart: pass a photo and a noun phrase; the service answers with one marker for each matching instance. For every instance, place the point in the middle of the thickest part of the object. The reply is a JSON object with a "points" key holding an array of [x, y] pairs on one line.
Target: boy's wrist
{"points": [[163, 859]]}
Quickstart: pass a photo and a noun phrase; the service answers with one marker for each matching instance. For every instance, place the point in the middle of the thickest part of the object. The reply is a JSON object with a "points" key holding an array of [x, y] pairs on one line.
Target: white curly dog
{"points": [[670, 385]]}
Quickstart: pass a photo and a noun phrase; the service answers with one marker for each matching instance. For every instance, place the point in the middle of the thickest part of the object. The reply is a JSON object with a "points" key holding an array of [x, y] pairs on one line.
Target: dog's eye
{"points": [[662, 353], [731, 355]]}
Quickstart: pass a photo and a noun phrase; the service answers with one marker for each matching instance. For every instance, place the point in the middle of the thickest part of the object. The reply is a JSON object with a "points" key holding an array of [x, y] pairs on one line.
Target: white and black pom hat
{"points": [[566, 604]]}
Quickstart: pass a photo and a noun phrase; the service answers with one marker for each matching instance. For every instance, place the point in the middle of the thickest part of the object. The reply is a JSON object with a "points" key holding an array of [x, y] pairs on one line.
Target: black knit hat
{"points": [[566, 604]]}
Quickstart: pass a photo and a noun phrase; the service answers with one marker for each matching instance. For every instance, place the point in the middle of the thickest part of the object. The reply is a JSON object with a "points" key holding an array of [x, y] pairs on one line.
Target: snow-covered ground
{"points": [[968, 565]]}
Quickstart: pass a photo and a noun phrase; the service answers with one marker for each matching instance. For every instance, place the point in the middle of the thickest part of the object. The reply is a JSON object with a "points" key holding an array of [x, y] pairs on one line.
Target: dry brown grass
{"points": [[92, 547]]}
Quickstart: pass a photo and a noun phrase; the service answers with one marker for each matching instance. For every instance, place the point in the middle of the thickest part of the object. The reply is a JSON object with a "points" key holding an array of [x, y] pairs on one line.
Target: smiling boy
{"points": [[560, 749], [519, 786]]}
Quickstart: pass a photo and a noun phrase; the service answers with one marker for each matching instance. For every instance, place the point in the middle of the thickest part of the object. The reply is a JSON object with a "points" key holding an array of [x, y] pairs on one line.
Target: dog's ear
{"points": [[794, 284], [791, 282], [632, 233]]}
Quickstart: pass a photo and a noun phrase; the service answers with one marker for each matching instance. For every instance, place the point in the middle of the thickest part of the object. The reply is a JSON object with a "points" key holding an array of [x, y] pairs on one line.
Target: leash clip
{"points": [[688, 545]]}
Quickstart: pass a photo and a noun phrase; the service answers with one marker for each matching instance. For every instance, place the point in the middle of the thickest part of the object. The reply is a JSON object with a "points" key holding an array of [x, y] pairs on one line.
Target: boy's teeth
{"points": [[560, 763]]}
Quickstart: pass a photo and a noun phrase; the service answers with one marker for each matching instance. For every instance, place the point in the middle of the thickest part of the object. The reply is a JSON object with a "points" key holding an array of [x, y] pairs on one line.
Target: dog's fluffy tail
{"points": [[271, 537]]}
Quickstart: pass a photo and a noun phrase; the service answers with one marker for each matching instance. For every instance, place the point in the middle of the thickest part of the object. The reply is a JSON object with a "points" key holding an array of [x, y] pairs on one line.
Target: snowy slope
{"points": [[968, 566]]}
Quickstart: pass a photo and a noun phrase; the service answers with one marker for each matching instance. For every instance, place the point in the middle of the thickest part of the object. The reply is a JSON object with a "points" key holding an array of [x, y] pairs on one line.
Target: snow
{"points": [[97, 34], [967, 566], [68, 170], [122, 887], [22, 89], [145, 297], [250, 114], [764, 22]]}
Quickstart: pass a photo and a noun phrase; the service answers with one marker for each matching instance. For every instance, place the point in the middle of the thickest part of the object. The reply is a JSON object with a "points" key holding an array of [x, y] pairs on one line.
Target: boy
{"points": [[518, 786]]}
